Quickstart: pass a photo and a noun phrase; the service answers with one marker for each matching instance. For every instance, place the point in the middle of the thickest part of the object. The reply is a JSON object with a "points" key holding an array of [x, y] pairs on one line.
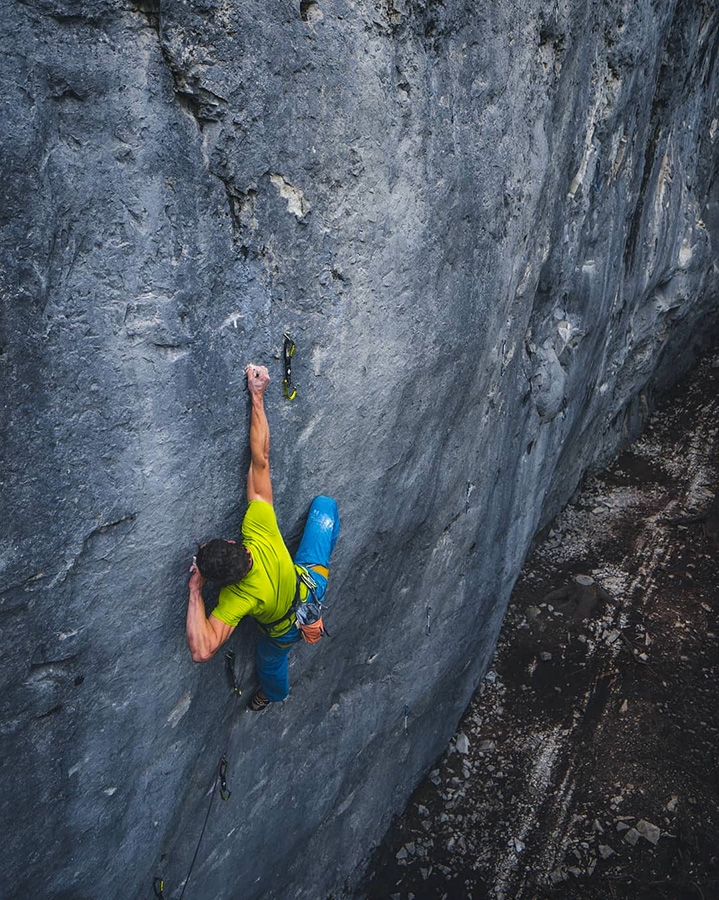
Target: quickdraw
{"points": [[224, 792], [220, 773], [288, 351], [234, 683]]}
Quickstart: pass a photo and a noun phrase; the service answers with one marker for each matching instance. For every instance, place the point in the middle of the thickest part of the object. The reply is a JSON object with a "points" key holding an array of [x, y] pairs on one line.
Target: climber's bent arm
{"points": [[205, 634]]}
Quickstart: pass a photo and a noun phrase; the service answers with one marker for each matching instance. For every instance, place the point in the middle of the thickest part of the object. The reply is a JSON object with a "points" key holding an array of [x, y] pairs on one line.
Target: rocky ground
{"points": [[587, 764]]}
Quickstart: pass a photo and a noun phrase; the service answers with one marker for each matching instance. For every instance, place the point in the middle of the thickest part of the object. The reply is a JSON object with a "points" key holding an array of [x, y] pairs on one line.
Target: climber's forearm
{"points": [[259, 483], [205, 635], [259, 433]]}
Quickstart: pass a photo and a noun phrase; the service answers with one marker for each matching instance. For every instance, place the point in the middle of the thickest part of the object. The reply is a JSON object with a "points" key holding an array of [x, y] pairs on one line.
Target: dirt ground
{"points": [[587, 764]]}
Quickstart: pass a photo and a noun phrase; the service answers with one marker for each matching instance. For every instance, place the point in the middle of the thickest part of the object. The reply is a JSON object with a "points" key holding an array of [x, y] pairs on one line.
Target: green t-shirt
{"points": [[268, 589]]}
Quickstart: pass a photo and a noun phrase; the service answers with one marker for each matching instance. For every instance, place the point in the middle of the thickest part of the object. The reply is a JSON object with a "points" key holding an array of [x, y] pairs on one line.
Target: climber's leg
{"points": [[319, 539]]}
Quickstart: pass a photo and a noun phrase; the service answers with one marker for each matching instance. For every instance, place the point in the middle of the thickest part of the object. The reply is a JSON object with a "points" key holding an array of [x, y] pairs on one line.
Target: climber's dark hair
{"points": [[223, 563]]}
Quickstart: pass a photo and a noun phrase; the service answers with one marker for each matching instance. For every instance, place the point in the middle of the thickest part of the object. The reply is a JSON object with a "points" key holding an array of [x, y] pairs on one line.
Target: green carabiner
{"points": [[288, 351]]}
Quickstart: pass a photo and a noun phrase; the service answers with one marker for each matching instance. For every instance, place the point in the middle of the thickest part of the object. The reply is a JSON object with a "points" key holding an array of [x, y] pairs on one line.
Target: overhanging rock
{"points": [[493, 236]]}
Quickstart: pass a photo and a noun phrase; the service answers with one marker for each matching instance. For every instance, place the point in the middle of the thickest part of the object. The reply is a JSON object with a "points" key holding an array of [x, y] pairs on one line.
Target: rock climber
{"points": [[256, 575]]}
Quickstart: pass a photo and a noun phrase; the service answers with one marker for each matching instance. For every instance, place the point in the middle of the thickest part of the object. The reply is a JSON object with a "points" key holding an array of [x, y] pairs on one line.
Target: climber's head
{"points": [[223, 562]]}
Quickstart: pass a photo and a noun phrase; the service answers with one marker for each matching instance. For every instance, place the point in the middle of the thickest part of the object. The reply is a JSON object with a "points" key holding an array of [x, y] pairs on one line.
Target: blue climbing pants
{"points": [[318, 542]]}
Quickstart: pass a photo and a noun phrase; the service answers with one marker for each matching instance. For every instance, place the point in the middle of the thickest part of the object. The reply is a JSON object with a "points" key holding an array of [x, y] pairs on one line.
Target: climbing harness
{"points": [[267, 628], [288, 351], [220, 772], [307, 610]]}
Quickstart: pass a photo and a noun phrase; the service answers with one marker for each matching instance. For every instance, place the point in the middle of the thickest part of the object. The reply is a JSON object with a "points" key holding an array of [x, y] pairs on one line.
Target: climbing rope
{"points": [[220, 772]]}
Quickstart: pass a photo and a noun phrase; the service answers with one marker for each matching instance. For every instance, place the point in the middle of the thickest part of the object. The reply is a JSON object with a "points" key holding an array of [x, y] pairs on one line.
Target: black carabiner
{"points": [[230, 659], [288, 351], [224, 793]]}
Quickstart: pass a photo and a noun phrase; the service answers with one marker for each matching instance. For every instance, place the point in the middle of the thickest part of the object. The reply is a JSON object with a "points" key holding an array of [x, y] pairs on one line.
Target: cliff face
{"points": [[491, 231]]}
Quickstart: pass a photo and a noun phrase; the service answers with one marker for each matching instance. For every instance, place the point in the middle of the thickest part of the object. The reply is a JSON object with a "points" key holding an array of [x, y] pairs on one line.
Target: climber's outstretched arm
{"points": [[259, 485]]}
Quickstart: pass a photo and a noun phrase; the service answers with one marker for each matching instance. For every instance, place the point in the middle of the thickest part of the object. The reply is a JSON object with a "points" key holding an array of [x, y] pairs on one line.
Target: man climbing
{"points": [[257, 576]]}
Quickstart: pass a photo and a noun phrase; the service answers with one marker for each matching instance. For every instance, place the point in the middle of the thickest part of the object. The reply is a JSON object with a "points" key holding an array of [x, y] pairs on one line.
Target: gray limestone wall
{"points": [[491, 229]]}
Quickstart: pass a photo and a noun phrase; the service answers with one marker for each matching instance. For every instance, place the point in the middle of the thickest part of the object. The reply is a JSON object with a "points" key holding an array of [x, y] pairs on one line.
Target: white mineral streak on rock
{"points": [[308, 430], [665, 174], [179, 710], [591, 147], [232, 320], [565, 331], [76, 768], [685, 254], [296, 203]]}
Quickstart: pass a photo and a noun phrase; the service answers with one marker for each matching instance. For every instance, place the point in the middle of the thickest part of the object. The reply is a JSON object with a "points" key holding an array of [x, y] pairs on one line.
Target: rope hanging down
{"points": [[220, 772]]}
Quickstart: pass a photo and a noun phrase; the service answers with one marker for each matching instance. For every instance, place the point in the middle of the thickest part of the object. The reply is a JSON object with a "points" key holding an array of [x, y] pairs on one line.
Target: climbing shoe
{"points": [[259, 702]]}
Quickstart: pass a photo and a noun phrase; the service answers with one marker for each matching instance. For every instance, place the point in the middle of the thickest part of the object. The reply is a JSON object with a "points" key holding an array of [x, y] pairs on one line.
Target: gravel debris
{"points": [[585, 767]]}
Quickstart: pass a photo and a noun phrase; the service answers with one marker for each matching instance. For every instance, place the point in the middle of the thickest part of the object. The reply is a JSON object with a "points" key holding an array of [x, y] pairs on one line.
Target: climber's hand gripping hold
{"points": [[257, 378], [196, 582]]}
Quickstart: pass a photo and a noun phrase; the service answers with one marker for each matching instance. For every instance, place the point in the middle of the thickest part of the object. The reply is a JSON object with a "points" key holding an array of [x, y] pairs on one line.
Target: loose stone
{"points": [[648, 831]]}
